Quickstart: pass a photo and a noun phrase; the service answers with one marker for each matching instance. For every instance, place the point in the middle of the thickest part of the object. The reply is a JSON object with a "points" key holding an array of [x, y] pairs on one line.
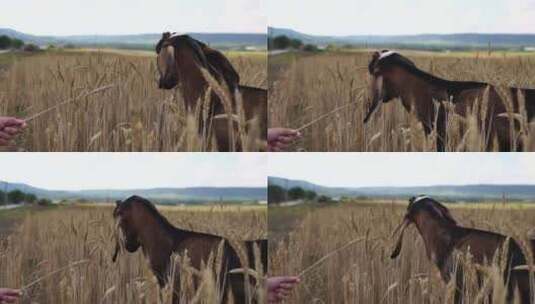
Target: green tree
{"points": [[281, 42], [5, 42], [16, 197], [296, 193], [2, 197], [276, 194], [324, 199], [17, 43], [310, 48], [30, 198], [44, 202], [296, 43], [310, 195]]}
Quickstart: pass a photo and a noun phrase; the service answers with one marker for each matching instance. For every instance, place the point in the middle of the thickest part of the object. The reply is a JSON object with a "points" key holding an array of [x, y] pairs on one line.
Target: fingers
{"points": [[8, 299], [275, 133], [11, 130], [286, 139], [280, 139], [5, 135], [12, 292], [278, 146], [9, 295], [11, 121], [280, 288]]}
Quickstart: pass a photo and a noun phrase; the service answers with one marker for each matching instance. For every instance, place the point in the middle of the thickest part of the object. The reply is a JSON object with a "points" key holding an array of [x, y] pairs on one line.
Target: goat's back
{"points": [[485, 245]]}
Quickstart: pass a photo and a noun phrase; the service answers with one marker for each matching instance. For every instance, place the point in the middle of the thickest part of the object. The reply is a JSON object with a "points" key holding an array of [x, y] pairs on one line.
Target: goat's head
{"points": [[385, 78], [421, 206]]}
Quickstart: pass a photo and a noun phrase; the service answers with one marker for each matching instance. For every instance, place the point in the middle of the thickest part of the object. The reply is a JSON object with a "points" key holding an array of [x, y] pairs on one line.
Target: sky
{"points": [[398, 17], [84, 171], [76, 17], [404, 169]]}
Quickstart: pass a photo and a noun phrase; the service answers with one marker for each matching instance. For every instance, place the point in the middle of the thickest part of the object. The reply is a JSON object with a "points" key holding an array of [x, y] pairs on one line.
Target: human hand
{"points": [[8, 295], [9, 128], [280, 138], [280, 287]]}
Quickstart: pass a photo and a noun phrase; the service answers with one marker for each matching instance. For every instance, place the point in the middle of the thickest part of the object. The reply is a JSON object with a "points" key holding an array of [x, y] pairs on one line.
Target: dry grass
{"points": [[133, 116], [68, 253], [363, 272], [305, 87]]}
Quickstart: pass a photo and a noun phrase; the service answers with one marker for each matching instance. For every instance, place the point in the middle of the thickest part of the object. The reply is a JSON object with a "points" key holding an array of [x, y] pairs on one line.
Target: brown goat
{"points": [[180, 59], [443, 237], [143, 226], [395, 76]]}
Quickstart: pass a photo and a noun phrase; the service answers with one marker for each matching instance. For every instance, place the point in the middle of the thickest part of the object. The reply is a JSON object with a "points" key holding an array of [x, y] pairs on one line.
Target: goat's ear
{"points": [[397, 248], [376, 55], [117, 202], [444, 213], [219, 62], [166, 35]]}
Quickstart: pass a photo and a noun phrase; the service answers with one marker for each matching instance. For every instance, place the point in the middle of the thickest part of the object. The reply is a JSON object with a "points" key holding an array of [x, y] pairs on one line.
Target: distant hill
{"points": [[222, 40], [161, 195], [451, 192], [423, 41]]}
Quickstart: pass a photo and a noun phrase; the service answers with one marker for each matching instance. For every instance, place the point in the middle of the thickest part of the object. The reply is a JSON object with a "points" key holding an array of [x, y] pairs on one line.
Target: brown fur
{"points": [[143, 226], [442, 237], [189, 56], [531, 239], [418, 89]]}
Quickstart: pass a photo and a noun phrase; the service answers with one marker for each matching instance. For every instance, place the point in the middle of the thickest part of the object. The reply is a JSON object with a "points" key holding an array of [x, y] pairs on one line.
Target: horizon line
{"points": [[130, 34], [411, 186], [124, 189], [413, 34]]}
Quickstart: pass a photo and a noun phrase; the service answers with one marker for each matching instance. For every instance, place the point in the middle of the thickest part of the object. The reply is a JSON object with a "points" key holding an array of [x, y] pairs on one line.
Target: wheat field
{"points": [[64, 255], [355, 239], [132, 115], [305, 87]]}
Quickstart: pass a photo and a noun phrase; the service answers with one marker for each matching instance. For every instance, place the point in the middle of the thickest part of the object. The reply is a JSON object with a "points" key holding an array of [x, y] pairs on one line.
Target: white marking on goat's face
{"points": [[386, 54], [419, 198]]}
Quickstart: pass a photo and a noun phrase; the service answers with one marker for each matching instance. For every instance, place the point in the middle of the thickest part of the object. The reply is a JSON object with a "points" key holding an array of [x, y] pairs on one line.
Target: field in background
{"points": [[363, 272], [303, 87], [132, 116], [68, 252]]}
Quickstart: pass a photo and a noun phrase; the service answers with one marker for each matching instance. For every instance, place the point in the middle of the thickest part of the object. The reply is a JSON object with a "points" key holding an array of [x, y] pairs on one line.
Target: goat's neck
{"points": [[192, 89], [437, 236], [192, 82], [158, 245], [418, 93]]}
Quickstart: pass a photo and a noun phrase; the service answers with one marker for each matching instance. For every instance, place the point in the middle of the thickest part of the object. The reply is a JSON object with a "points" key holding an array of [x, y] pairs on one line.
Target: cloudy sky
{"points": [[387, 17], [73, 17], [404, 169], [80, 171]]}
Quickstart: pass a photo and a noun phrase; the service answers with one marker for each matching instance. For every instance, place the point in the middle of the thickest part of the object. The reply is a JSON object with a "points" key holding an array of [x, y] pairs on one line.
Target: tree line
{"points": [[277, 195], [17, 197], [283, 42], [7, 42], [10, 43]]}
